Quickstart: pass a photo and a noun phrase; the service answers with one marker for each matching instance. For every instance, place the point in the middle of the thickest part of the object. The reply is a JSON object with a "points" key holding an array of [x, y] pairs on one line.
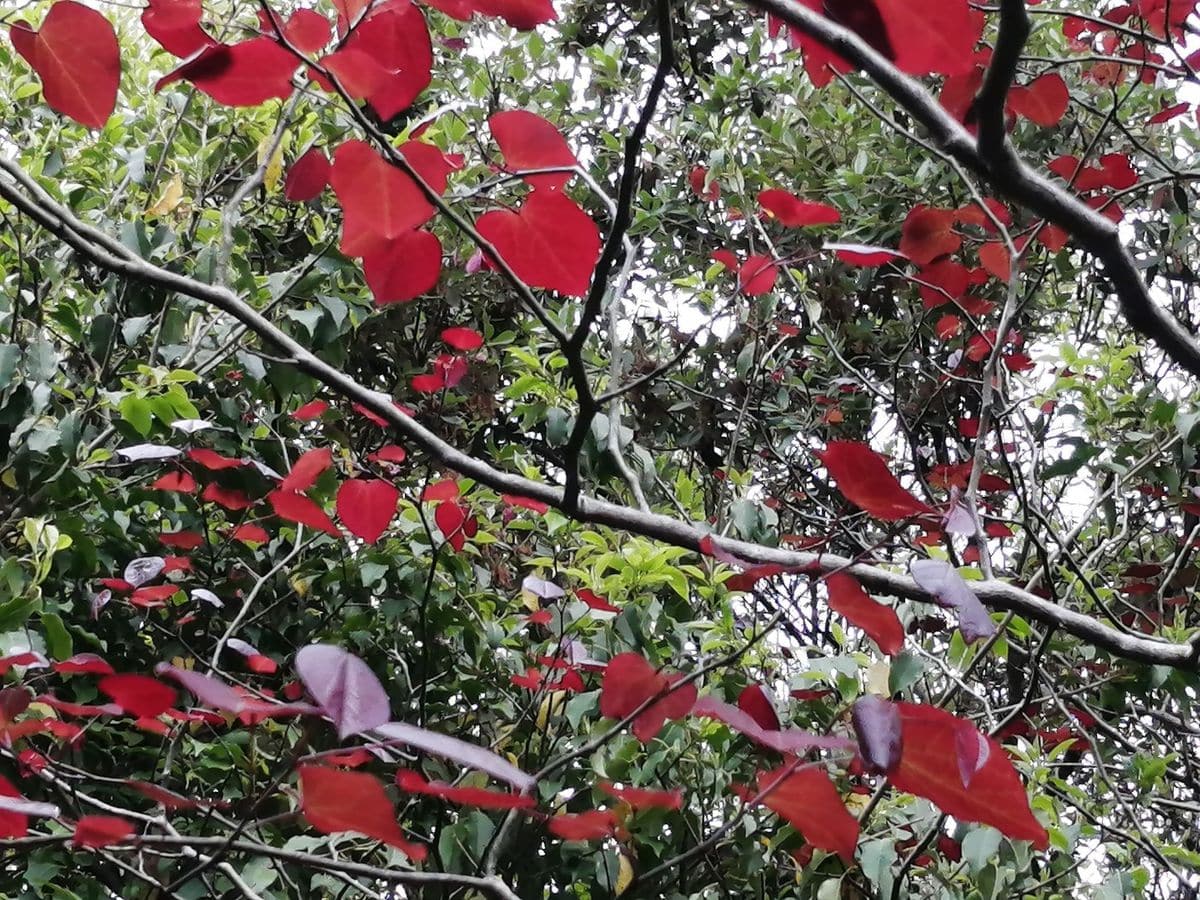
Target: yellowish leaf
{"points": [[624, 874], [170, 198], [274, 165]]}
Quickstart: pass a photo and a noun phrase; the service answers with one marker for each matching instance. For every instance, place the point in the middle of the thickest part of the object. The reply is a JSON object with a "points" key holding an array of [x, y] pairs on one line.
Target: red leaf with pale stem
{"points": [[527, 141], [333, 801], [77, 57], [175, 24], [550, 242], [629, 681], [929, 767], [863, 478], [879, 622]]}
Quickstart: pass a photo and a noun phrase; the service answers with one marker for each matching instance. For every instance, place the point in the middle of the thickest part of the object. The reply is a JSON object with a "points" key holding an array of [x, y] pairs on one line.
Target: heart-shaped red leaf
{"points": [[379, 202], [307, 469], [300, 509], [550, 242], [138, 695], [792, 212], [863, 478], [810, 803], [101, 831], [366, 506], [308, 176], [77, 56], [879, 622], [629, 681], [244, 74], [403, 268]]}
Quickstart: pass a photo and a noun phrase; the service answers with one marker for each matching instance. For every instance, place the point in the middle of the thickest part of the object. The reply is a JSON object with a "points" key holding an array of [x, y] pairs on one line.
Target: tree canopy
{"points": [[516, 448]]}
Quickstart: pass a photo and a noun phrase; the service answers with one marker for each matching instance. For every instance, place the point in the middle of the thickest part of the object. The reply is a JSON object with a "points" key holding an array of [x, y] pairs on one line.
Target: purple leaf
{"points": [[140, 452], [99, 601], [143, 569], [788, 740], [344, 687], [24, 807], [207, 596], [971, 750], [461, 752], [958, 519], [243, 647], [540, 587], [208, 690], [950, 591], [877, 724]]}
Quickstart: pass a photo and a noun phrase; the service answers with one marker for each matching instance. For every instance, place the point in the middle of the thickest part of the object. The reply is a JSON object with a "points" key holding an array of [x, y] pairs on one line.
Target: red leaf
{"points": [[227, 497], [446, 489], [309, 174], [181, 540], [212, 460], [12, 824], [153, 596], [947, 327], [1044, 101], [727, 259], [263, 665], [389, 453], [333, 801], [366, 507], [629, 681], [464, 339], [101, 831], [994, 257], [550, 242], [757, 275], [83, 664], [313, 409], [524, 15], [179, 482], [306, 30], [880, 623], [585, 826], [243, 74], [394, 39], [175, 24], [702, 186], [307, 469], [929, 765], [379, 201], [77, 57], [403, 268], [300, 509], [138, 695], [863, 478], [756, 703], [527, 141], [644, 798], [250, 534], [809, 802], [792, 212], [928, 233], [452, 521], [428, 383], [942, 39], [595, 601], [415, 783], [160, 795]]}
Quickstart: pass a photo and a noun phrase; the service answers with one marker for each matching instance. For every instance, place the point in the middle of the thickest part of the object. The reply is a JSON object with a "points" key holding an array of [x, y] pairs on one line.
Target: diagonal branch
{"points": [[1010, 176], [113, 257]]}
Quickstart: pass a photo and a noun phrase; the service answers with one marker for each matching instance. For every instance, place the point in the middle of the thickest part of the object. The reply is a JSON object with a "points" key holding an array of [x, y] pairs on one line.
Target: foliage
{"points": [[496, 448]]}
